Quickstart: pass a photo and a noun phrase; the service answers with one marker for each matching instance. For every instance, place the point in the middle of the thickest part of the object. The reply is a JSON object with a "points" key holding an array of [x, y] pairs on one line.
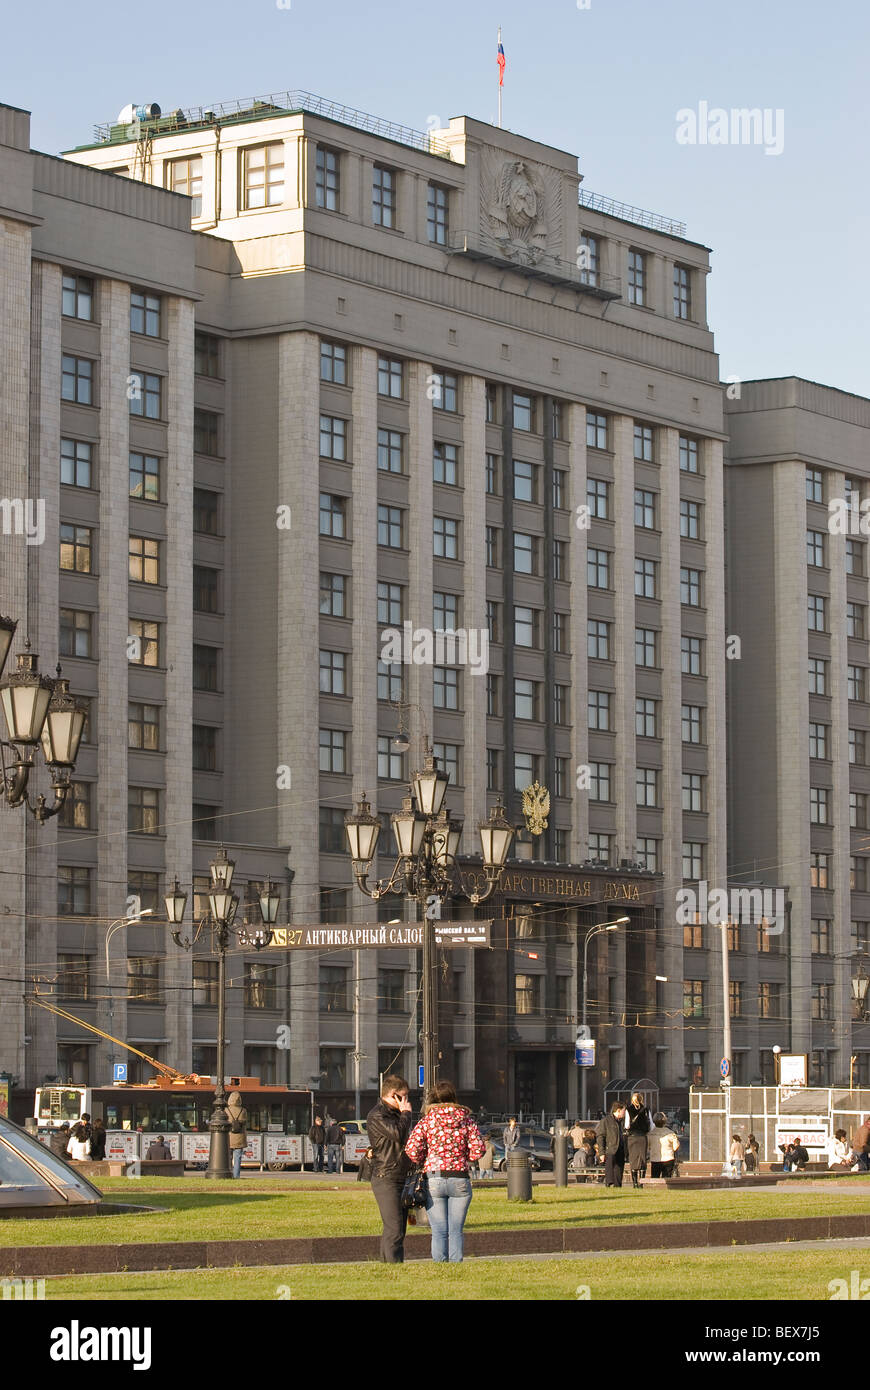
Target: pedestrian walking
{"points": [[317, 1135], [736, 1155], [98, 1141], [59, 1139], [663, 1144], [486, 1162], [158, 1149], [388, 1125], [511, 1135], [610, 1144], [238, 1118], [446, 1141], [637, 1124], [79, 1146], [751, 1154], [334, 1141]]}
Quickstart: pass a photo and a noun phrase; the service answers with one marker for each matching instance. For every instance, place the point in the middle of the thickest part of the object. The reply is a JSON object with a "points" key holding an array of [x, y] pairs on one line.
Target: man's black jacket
{"points": [[388, 1131], [609, 1135], [335, 1134]]}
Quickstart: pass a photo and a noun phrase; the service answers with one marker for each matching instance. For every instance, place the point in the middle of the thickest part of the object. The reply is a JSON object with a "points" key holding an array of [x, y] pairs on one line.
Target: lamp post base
{"points": [[219, 1142]]}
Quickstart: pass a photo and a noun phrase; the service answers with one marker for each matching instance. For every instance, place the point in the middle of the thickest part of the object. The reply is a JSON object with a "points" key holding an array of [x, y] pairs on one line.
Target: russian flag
{"points": [[500, 59]]}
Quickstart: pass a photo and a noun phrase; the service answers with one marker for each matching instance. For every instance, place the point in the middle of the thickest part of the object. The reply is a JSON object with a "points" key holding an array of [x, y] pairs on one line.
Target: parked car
{"points": [[353, 1126], [534, 1142]]}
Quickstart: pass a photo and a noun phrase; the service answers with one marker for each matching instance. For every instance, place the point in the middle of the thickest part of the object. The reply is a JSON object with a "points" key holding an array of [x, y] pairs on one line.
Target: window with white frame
{"points": [[384, 183], [263, 176]]}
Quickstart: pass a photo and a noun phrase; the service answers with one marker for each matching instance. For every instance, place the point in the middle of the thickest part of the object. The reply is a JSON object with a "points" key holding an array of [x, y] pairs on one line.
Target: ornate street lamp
{"points": [[223, 905], [37, 711], [427, 844], [859, 993]]}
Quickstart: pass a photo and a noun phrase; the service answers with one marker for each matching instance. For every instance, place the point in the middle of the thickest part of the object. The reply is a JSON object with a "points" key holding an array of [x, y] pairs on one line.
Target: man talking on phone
{"points": [[388, 1125]]}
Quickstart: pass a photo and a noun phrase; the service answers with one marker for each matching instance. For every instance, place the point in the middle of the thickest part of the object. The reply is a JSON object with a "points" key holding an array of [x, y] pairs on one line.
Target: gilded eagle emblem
{"points": [[536, 807]]}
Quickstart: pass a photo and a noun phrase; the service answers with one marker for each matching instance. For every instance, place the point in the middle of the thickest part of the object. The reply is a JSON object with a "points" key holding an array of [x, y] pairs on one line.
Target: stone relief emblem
{"points": [[517, 212]]}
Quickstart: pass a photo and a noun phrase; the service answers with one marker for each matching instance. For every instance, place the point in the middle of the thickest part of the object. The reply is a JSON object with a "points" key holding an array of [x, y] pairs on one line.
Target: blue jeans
{"points": [[447, 1203], [237, 1162], [333, 1158]]}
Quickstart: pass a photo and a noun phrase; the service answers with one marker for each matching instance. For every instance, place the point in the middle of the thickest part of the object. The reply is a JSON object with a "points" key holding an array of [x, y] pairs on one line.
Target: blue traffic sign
{"points": [[420, 1077], [725, 1068], [119, 1071]]}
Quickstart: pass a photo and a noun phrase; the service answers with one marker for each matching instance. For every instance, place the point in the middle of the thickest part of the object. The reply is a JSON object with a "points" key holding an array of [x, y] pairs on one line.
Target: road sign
{"points": [[420, 1077], [584, 1031], [725, 1068], [119, 1071], [584, 1052], [462, 933]]}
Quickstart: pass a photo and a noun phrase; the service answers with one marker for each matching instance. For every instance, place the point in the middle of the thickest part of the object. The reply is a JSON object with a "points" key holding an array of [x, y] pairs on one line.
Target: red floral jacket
{"points": [[445, 1139]]}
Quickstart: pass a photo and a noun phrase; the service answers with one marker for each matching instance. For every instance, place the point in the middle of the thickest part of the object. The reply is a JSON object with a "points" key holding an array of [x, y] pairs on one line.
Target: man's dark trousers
{"points": [[614, 1165], [388, 1195]]}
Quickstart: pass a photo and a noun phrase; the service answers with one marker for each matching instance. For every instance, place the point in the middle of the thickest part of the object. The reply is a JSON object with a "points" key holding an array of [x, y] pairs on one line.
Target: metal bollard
{"points": [[560, 1155], [519, 1177]]}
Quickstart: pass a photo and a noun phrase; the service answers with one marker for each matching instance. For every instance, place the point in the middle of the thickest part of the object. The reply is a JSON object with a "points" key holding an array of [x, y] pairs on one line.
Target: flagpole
{"points": [[500, 80]]}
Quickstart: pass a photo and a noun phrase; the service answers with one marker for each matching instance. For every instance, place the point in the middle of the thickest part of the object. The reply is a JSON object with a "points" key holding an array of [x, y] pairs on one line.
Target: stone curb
{"points": [[42, 1261]]}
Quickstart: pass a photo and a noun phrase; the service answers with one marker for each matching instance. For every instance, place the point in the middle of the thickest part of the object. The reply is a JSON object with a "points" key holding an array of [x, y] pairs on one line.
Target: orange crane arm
{"points": [[169, 1072]]}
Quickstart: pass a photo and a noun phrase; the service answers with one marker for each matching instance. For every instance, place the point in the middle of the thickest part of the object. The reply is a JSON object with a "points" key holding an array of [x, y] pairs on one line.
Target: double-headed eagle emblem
{"points": [[536, 807]]}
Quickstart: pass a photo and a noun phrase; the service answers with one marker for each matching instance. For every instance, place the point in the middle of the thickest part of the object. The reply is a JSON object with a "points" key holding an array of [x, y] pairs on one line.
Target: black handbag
{"points": [[414, 1190]]}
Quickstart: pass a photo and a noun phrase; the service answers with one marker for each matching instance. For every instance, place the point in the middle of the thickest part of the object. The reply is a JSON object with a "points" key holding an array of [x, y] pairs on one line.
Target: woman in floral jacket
{"points": [[446, 1141]]}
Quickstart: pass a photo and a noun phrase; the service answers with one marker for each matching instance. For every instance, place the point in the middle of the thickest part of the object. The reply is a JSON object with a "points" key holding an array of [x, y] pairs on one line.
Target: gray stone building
{"points": [[386, 379]]}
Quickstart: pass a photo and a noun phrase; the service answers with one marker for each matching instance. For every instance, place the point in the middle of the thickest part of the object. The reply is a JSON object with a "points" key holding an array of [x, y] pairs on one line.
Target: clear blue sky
{"points": [[789, 291]]}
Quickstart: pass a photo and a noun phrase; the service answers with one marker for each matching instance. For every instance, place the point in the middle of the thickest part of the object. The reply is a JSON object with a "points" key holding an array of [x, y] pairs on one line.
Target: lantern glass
{"points": [[26, 696], [859, 986], [222, 870], [63, 728], [270, 902], [362, 830], [221, 903], [409, 829], [430, 787], [176, 901], [496, 835]]}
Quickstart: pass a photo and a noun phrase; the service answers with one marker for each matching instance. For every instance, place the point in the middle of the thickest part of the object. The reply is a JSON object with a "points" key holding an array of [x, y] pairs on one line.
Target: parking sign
{"points": [[119, 1071]]}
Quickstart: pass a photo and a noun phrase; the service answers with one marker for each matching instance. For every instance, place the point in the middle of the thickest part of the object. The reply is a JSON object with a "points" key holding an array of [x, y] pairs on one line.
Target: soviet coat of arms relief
{"points": [[521, 208]]}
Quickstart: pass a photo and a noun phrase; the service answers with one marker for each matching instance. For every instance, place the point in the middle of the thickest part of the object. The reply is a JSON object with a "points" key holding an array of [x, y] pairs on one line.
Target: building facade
{"points": [[364, 392]]}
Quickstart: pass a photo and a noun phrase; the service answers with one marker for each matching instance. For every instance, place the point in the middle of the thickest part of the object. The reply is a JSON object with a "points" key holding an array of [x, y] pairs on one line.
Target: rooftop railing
{"points": [[597, 203], [277, 104]]}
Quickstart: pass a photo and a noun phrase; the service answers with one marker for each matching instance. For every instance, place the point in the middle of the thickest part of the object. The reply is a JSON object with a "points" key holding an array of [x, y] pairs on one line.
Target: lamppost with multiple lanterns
{"points": [[38, 710], [223, 905], [593, 931], [427, 840]]}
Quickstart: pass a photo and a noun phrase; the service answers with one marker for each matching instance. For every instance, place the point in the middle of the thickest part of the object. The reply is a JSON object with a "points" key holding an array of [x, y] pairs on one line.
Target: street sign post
{"points": [[314, 936], [725, 1068], [584, 1052], [462, 933], [119, 1071]]}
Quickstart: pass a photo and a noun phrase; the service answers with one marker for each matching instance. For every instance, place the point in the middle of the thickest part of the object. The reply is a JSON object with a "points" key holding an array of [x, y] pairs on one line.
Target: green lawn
{"points": [[795, 1275], [256, 1209]]}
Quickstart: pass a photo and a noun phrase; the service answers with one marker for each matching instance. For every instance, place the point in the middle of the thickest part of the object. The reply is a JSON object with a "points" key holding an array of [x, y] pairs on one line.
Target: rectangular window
{"points": [[646, 718], [143, 810], [735, 998], [493, 547], [527, 699], [76, 632], [856, 625], [598, 639], [445, 688], [691, 656], [688, 454], [856, 682], [144, 561], [391, 763], [493, 695], [690, 587], [73, 977], [332, 839], [206, 354], [643, 444], [647, 786], [383, 196], [693, 998], [561, 777], [390, 378], [493, 475], [816, 613], [145, 314], [145, 477], [861, 937], [855, 557], [333, 438], [143, 980], [493, 770], [77, 380], [858, 747], [596, 431], [822, 1000], [527, 994], [445, 535], [523, 412], [693, 791], [205, 667], [206, 511], [333, 750], [769, 999], [814, 485], [333, 1068], [390, 527], [437, 203], [73, 891], [444, 387], [333, 989], [858, 874], [690, 519], [636, 277], [590, 249], [693, 723], [598, 706], [76, 548], [646, 646], [390, 451], [333, 515], [391, 991], [205, 983], [647, 853], [76, 459], [143, 642], [143, 726], [445, 611], [75, 814], [448, 760], [560, 489], [820, 936], [819, 740], [645, 578], [527, 769], [816, 549], [334, 595], [333, 672], [645, 508], [857, 810], [598, 568], [327, 179], [817, 673], [819, 864], [391, 604], [682, 292], [263, 176], [561, 694], [185, 176], [560, 560], [526, 553], [206, 433], [333, 363], [693, 859], [818, 805], [204, 748], [525, 481], [78, 297], [598, 498], [693, 936], [391, 681], [600, 848], [527, 626], [445, 464]]}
